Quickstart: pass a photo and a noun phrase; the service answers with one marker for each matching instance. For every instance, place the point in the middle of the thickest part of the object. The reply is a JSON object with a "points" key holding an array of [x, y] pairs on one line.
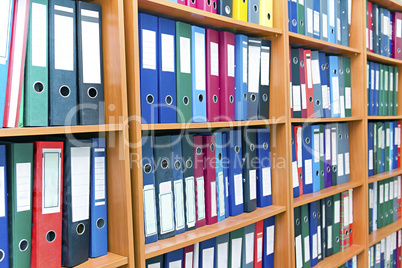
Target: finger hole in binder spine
{"points": [[50, 236], [23, 245], [100, 223], [38, 87], [150, 99], [64, 91], [80, 229], [92, 92], [2, 255]]}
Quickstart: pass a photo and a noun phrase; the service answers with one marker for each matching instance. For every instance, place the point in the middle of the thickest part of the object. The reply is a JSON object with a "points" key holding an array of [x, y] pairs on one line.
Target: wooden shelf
{"points": [[38, 131], [340, 258], [108, 261], [377, 235], [387, 117], [384, 175], [382, 59], [326, 120], [202, 18], [310, 42], [211, 125], [308, 198], [209, 231], [389, 4]]}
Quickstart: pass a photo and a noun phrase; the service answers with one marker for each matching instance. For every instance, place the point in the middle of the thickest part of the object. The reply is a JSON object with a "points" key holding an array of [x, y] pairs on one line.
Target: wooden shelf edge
{"points": [[390, 117], [389, 4], [299, 39], [308, 198], [340, 258], [209, 231], [385, 175], [377, 235], [38, 131], [382, 59], [110, 260], [326, 120], [202, 18], [210, 125]]}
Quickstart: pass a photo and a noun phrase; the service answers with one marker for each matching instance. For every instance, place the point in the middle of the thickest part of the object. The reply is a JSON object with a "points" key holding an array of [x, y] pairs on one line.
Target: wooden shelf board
{"points": [[308, 198], [193, 16], [340, 258], [210, 125], [384, 175], [110, 260], [302, 40], [326, 120], [206, 232], [377, 235], [390, 117], [388, 4], [382, 59], [37, 131]]}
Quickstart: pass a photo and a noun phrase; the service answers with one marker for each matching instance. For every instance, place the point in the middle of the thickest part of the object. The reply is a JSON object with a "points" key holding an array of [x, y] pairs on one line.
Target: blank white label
{"points": [[315, 65], [299, 255], [265, 61], [347, 164], [296, 98], [348, 98], [370, 159], [238, 187], [324, 25], [150, 211], [168, 48], [64, 42], [329, 237], [334, 139], [335, 95], [213, 199], [214, 58], [249, 248], [316, 22], [199, 64], [154, 265], [179, 203], [39, 34], [346, 211], [190, 201], [51, 184], [253, 184], [386, 192], [236, 252], [303, 96], [5, 15], [381, 193], [299, 147], [306, 249], [308, 169], [175, 264], [254, 69], [166, 207], [245, 65], [3, 193], [185, 52], [309, 20], [259, 249], [208, 258], [337, 206], [316, 151], [331, 12], [200, 198], [338, 29], [327, 144], [100, 179], [221, 194], [340, 165], [80, 170], [314, 246], [295, 175], [266, 181], [148, 49], [231, 61], [189, 260], [222, 255], [398, 28], [91, 53], [270, 239]]}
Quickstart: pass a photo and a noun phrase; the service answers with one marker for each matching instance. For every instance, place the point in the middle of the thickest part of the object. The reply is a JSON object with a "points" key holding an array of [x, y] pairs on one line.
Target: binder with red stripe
{"points": [[298, 145], [303, 83], [258, 243], [309, 83]]}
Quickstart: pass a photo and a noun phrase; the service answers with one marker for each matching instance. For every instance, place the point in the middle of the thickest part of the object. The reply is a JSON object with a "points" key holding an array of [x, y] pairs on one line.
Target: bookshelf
{"points": [[280, 119]]}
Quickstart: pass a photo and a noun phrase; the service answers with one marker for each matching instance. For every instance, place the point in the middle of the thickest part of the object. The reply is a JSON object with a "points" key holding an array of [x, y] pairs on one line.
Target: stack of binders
{"points": [[320, 85], [251, 246], [189, 74], [320, 157], [254, 11], [384, 203], [327, 20], [384, 144], [352, 263], [382, 89], [195, 180], [323, 228], [52, 71], [56, 214], [383, 31], [386, 253]]}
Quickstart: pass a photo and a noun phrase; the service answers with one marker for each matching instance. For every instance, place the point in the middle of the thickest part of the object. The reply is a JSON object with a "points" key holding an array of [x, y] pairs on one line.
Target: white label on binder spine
{"points": [[337, 206], [91, 53], [189, 260], [150, 211], [5, 15], [64, 41], [168, 49], [148, 49], [222, 255], [208, 257], [166, 207], [199, 64], [39, 34], [254, 69], [236, 252], [238, 187], [200, 198], [213, 199], [185, 52], [265, 65], [253, 184], [190, 201], [51, 185], [306, 249], [266, 181], [309, 20], [316, 22], [221, 194], [324, 26], [175, 264], [100, 179], [3, 193], [179, 203], [316, 151], [327, 144], [296, 98], [335, 94], [348, 98], [299, 255], [340, 165], [303, 96], [347, 164], [245, 65], [308, 169], [214, 58], [249, 247], [231, 60], [270, 239]]}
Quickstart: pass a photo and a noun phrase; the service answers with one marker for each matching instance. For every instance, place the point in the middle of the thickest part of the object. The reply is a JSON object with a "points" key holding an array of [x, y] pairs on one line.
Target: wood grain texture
{"points": [[342, 257], [384, 175], [326, 120], [108, 261], [209, 231], [382, 59], [389, 4], [377, 235]]}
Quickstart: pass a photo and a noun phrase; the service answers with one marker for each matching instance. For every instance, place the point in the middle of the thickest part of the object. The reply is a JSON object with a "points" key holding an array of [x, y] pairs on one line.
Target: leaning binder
{"points": [[98, 235], [62, 63], [90, 64], [36, 89], [76, 200]]}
